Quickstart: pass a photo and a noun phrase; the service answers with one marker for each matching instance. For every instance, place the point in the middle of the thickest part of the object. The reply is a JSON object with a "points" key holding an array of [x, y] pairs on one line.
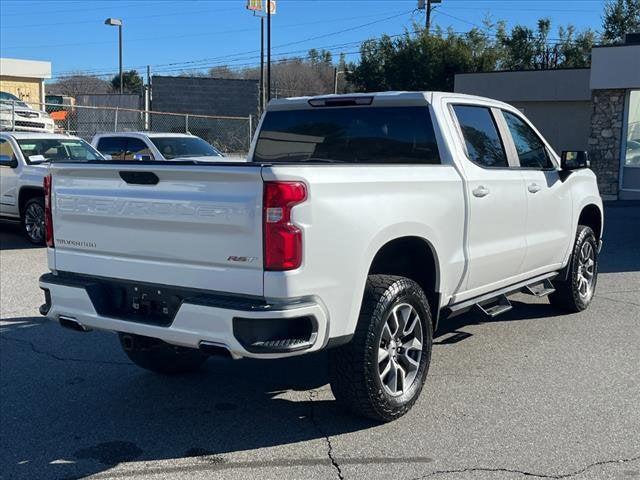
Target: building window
{"points": [[632, 150]]}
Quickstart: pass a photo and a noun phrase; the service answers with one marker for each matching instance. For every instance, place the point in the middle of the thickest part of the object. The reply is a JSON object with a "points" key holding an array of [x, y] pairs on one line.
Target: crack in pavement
{"points": [[61, 359], [530, 474], [313, 394], [618, 301]]}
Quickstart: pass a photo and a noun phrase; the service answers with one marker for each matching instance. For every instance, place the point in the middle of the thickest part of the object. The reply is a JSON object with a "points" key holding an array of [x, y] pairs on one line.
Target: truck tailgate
{"points": [[199, 226]]}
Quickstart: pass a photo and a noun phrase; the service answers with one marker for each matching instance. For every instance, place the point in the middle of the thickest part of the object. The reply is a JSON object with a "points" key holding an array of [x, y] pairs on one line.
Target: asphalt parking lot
{"points": [[531, 394]]}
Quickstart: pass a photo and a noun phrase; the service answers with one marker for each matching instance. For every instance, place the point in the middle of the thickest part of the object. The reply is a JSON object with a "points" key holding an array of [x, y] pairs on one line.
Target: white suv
{"points": [[16, 115]]}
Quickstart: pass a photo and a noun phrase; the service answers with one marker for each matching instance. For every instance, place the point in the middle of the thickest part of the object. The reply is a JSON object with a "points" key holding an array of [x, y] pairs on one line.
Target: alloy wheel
{"points": [[400, 349], [34, 222], [586, 271]]}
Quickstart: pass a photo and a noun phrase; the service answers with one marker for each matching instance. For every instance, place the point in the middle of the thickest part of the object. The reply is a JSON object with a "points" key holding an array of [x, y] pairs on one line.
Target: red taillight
{"points": [[282, 239], [48, 219]]}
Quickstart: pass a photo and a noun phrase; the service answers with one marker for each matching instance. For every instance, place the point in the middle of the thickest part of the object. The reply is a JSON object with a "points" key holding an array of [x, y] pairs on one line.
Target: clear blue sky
{"points": [[166, 34]]}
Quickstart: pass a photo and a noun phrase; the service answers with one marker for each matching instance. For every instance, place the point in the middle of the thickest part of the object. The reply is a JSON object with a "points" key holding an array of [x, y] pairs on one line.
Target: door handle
{"points": [[480, 191], [534, 187]]}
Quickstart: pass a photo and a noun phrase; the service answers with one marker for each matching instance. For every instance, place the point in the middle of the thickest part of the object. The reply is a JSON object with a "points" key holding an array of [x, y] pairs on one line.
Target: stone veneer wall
{"points": [[605, 139]]}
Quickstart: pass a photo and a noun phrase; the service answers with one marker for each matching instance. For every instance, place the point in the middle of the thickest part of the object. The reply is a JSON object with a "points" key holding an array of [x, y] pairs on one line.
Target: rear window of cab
{"points": [[378, 135]]}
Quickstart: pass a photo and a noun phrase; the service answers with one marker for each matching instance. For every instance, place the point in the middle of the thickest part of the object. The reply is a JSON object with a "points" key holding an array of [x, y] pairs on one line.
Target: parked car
{"points": [[16, 115], [360, 224], [24, 160], [154, 146]]}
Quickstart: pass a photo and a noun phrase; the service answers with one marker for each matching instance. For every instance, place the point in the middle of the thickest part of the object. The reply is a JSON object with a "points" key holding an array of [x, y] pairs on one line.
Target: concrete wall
{"points": [[615, 67], [205, 96], [527, 86], [558, 102], [565, 125]]}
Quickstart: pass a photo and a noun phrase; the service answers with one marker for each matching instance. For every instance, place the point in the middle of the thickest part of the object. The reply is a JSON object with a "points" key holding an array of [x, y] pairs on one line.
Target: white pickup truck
{"points": [[24, 160], [359, 223]]}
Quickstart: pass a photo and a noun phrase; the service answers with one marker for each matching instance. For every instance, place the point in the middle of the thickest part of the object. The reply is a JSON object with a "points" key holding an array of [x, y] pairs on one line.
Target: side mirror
{"points": [[574, 160], [8, 161]]}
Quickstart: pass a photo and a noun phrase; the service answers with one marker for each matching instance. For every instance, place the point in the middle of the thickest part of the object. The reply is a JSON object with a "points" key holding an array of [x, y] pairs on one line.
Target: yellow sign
{"points": [[255, 5], [260, 6]]}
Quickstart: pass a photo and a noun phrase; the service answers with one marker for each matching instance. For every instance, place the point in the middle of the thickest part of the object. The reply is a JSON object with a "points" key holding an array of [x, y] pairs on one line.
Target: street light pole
{"points": [[268, 50], [120, 57], [116, 22]]}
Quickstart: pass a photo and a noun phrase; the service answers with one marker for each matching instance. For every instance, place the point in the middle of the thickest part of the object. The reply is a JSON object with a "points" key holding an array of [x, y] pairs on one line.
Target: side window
{"points": [[113, 146], [135, 146], [481, 136], [7, 155], [531, 149]]}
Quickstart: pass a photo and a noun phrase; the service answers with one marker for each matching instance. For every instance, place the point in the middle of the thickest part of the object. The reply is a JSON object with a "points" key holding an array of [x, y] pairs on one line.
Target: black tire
{"points": [[356, 380], [32, 227], [569, 293], [160, 357]]}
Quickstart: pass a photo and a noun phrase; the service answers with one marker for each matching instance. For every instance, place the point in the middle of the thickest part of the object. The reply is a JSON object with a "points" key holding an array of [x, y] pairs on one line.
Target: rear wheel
{"points": [[381, 372], [576, 292], [161, 357], [33, 220]]}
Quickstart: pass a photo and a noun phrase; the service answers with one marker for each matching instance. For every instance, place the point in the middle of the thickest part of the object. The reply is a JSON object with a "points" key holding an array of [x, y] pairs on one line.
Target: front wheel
{"points": [[161, 357], [576, 292], [381, 372], [33, 220]]}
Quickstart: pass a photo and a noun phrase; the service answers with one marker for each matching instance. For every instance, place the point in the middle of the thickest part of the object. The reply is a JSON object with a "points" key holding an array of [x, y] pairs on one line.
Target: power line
{"points": [[60, 45], [38, 12], [84, 22], [191, 62]]}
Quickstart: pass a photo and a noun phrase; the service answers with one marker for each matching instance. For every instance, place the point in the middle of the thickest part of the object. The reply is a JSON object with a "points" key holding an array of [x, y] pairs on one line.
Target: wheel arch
{"points": [[27, 193], [415, 258], [591, 216]]}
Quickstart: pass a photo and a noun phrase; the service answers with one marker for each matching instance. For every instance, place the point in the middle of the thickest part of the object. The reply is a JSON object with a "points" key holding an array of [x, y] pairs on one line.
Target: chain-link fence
{"points": [[228, 134]]}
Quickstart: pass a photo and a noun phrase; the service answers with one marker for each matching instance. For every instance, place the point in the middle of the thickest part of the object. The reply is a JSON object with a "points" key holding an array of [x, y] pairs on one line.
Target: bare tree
{"points": [[78, 84]]}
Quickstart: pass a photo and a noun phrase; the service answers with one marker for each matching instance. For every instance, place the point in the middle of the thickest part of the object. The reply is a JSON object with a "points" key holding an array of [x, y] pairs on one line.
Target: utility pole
{"points": [[261, 64], [268, 50], [427, 5]]}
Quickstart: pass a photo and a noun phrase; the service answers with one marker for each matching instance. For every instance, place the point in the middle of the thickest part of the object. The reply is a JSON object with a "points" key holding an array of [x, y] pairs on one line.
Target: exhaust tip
{"points": [[215, 349], [72, 324]]}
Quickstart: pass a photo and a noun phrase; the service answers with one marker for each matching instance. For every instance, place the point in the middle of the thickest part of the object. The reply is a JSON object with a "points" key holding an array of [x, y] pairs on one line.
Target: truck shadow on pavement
{"points": [[73, 406], [11, 237]]}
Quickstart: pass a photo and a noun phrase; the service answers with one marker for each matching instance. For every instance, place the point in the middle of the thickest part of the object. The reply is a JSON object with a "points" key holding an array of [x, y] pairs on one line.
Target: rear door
{"points": [[114, 146], [497, 203], [8, 179], [549, 206], [196, 227], [136, 149]]}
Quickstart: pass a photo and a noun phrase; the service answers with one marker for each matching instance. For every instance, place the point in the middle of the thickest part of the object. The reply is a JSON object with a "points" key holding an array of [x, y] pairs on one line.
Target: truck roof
{"points": [[144, 134], [391, 99], [38, 135]]}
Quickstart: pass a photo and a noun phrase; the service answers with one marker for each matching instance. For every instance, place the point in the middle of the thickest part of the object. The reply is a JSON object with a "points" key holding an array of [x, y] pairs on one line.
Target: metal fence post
{"points": [[186, 123], [250, 131], [115, 121]]}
